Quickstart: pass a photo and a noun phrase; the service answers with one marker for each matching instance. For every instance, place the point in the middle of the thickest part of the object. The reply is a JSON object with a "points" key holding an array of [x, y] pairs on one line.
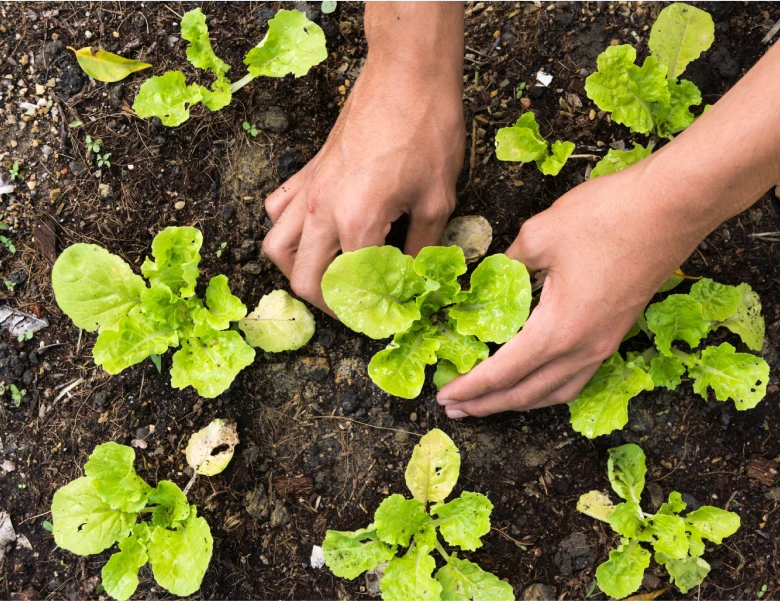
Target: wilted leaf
{"points": [[106, 66], [201, 448]]}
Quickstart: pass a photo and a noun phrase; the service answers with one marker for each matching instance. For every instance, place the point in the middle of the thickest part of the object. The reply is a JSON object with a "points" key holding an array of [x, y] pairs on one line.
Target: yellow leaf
{"points": [[106, 66], [648, 596], [434, 468]]}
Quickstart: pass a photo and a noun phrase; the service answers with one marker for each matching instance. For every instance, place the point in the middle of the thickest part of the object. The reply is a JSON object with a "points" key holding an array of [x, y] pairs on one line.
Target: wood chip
{"points": [[46, 239], [762, 469]]}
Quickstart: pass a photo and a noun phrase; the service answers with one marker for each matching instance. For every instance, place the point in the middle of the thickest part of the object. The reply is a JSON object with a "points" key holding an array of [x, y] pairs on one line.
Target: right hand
{"points": [[396, 148]]}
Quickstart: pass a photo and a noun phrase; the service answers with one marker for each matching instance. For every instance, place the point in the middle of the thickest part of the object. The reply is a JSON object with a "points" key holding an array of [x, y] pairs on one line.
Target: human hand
{"points": [[396, 148], [607, 246]]}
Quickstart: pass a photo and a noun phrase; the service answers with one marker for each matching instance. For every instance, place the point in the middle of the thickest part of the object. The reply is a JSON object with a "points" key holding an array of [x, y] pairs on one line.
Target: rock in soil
{"points": [[651, 582], [274, 120], [250, 176], [656, 495], [257, 505], [287, 164], [472, 233], [279, 516], [315, 369], [537, 592], [575, 553]]}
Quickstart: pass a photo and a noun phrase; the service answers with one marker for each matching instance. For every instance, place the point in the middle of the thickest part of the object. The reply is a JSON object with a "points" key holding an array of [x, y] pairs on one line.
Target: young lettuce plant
{"points": [[381, 292], [602, 406], [92, 513], [293, 44], [649, 100], [99, 291], [399, 522], [678, 541]]}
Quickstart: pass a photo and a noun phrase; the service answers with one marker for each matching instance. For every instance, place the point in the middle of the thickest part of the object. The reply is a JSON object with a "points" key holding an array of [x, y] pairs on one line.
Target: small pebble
{"points": [[179, 205]]}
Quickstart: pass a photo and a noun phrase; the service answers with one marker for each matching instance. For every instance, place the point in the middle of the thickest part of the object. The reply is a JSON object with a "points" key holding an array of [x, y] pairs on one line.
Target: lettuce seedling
{"points": [[94, 512], [400, 522], [602, 406], [293, 44], [99, 291], [523, 143], [678, 541], [381, 292]]}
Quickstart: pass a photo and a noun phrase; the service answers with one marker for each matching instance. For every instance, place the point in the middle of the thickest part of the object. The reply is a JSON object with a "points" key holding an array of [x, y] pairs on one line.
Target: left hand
{"points": [[607, 247]]}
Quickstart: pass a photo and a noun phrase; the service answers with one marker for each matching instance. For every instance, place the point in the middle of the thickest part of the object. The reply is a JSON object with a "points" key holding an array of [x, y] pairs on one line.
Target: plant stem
{"points": [[594, 157], [441, 550], [147, 510], [190, 483], [237, 85], [649, 355]]}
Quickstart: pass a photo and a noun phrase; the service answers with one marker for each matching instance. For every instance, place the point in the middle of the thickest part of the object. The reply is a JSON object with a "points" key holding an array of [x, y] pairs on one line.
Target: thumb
{"points": [[530, 246]]}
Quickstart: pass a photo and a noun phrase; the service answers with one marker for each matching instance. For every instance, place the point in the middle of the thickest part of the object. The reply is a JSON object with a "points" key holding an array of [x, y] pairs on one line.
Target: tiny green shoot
{"points": [[93, 145], [14, 171], [249, 128]]}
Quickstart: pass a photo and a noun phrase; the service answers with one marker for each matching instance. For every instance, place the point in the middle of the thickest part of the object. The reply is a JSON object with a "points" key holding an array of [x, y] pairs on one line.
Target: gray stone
{"points": [[77, 167], [656, 495], [274, 120], [315, 369], [537, 592], [575, 553], [640, 419], [115, 95], [256, 504], [279, 516]]}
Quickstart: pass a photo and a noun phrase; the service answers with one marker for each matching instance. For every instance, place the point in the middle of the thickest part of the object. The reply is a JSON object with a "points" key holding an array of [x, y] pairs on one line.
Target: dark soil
{"points": [[320, 445]]}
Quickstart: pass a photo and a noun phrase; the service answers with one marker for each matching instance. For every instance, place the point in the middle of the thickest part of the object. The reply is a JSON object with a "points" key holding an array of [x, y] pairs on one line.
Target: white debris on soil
{"points": [[543, 79], [7, 466], [18, 323], [7, 534], [472, 233], [23, 542], [317, 557]]}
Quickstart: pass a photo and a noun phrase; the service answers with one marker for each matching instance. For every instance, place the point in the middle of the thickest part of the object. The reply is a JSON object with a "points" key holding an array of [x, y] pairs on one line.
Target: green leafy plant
{"points": [[249, 128], [92, 513], [9, 284], [102, 160], [678, 541], [602, 406], [293, 44], [400, 522], [99, 291], [16, 394], [650, 100], [381, 292], [14, 171], [93, 145], [24, 337], [5, 241]]}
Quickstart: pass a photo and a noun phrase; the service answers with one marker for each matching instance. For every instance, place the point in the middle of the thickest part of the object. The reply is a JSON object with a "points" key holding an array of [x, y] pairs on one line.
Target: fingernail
{"points": [[456, 414], [445, 402]]}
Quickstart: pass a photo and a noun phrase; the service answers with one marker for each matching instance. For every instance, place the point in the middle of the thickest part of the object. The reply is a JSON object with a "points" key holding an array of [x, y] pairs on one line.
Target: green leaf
{"points": [[445, 373], [679, 35], [747, 321], [626, 520], [687, 573], [596, 504], [199, 51], [462, 351], [120, 574], [463, 521], [626, 471], [400, 368], [519, 145], [135, 338], [667, 533], [110, 470], [168, 97], [666, 371], [172, 507], [553, 163], [106, 66], [674, 505], [622, 573], [349, 554], [678, 317], [740, 377], [673, 281], [176, 258], [617, 160], [293, 44], [627, 90], [278, 323], [223, 306], [713, 523], [210, 363], [158, 303], [218, 97], [93, 287], [602, 406], [499, 301], [83, 523], [434, 467], [462, 580], [372, 290], [410, 577], [675, 116], [180, 557], [718, 301], [442, 264], [397, 519]]}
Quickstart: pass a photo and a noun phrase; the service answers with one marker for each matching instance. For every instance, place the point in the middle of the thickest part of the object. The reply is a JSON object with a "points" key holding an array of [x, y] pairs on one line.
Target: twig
{"points": [[354, 421], [771, 33], [67, 389]]}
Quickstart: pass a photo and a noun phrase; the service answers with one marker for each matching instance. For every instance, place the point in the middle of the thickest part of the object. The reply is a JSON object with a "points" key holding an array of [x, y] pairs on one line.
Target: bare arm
{"points": [[610, 243]]}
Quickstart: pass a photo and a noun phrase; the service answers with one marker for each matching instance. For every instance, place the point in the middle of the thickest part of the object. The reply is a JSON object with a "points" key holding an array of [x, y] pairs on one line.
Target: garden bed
{"points": [[320, 444]]}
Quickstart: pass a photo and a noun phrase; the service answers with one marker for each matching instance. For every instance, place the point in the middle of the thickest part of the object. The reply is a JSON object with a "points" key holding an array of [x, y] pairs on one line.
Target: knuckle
{"points": [[273, 245], [301, 287], [316, 195]]}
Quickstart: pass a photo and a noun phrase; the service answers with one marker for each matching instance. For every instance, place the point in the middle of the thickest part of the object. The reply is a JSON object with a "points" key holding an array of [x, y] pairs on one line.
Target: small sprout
{"points": [[6, 242], [157, 360], [24, 337], [102, 161], [206, 452], [74, 125], [14, 171], [94, 145], [221, 248], [250, 129], [519, 90], [762, 592], [328, 7], [17, 395], [9, 284], [47, 525]]}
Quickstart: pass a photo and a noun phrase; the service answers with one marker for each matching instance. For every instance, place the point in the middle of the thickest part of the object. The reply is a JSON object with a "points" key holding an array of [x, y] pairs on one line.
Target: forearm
{"points": [[725, 161], [425, 38]]}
